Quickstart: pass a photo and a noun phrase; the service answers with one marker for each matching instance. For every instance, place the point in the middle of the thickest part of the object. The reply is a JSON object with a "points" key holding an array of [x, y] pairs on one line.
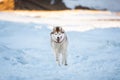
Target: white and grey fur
{"points": [[59, 44]]}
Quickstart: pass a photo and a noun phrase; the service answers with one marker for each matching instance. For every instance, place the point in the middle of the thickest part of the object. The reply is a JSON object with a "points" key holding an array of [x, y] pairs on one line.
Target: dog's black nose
{"points": [[58, 39]]}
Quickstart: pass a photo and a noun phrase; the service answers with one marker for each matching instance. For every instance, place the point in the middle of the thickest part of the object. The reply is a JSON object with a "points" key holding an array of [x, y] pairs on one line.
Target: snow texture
{"points": [[26, 54]]}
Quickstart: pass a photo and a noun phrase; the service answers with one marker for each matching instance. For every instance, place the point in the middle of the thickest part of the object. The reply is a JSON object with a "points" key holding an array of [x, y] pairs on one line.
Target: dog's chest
{"points": [[58, 46]]}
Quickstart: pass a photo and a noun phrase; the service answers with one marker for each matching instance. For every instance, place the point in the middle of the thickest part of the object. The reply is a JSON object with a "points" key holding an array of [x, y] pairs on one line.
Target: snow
{"points": [[112, 5], [93, 52]]}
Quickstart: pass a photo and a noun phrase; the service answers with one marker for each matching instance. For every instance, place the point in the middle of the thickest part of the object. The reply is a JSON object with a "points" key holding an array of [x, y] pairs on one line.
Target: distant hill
{"points": [[111, 5], [35, 5], [40, 5]]}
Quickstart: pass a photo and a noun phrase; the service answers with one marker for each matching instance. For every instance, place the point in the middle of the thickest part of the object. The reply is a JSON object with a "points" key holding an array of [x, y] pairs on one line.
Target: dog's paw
{"points": [[66, 64]]}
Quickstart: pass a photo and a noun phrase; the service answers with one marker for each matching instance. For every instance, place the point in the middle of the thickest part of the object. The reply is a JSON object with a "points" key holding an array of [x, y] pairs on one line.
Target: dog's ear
{"points": [[54, 29], [52, 33], [62, 31]]}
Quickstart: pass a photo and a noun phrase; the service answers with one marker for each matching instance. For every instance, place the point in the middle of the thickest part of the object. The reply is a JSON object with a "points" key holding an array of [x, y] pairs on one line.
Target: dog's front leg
{"points": [[57, 59], [64, 58]]}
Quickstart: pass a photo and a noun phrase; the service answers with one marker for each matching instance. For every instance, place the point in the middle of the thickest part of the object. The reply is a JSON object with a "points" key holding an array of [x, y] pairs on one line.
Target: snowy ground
{"points": [[93, 52]]}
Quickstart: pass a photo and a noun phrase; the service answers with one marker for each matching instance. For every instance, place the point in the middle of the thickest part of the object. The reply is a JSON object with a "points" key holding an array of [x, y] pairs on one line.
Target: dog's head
{"points": [[57, 34]]}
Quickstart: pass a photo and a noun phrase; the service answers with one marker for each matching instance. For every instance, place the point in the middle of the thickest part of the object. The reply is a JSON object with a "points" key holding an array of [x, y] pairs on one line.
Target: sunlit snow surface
{"points": [[93, 51]]}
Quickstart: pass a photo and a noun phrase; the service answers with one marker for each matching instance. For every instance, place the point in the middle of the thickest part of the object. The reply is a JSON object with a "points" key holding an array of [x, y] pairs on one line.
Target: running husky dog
{"points": [[59, 44]]}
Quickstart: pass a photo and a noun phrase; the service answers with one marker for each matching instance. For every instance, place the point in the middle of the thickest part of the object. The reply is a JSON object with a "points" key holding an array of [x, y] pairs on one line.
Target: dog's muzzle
{"points": [[58, 39]]}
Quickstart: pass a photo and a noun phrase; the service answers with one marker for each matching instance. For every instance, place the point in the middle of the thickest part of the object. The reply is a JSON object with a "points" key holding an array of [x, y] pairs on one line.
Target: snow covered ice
{"points": [[93, 52]]}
